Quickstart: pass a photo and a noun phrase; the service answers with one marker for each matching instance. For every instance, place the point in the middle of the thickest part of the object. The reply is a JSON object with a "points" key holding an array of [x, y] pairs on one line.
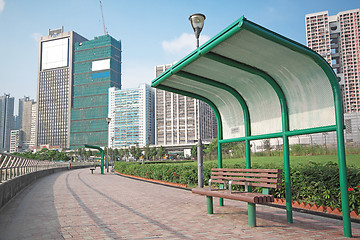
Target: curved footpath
{"points": [[80, 205]]}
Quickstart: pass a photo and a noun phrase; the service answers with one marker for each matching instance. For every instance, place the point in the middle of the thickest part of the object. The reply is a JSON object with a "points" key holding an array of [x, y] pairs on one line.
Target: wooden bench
{"points": [[226, 178]]}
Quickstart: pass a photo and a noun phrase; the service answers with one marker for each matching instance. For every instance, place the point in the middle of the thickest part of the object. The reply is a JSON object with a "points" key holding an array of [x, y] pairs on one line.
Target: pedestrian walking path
{"points": [[79, 205]]}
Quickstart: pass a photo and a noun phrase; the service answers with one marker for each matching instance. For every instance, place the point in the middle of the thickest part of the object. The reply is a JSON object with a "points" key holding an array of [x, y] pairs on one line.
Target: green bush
{"points": [[318, 183], [310, 183]]}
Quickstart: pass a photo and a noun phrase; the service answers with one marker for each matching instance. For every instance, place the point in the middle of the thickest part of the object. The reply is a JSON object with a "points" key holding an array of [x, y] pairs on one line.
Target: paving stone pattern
{"points": [[79, 205]]}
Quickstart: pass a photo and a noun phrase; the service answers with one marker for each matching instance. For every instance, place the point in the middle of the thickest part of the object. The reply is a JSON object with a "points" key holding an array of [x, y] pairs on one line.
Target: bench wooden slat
{"points": [[268, 175], [264, 185], [266, 180], [236, 195], [246, 170]]}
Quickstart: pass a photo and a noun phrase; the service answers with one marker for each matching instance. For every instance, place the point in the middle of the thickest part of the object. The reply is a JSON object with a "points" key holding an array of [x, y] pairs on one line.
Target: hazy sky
{"points": [[152, 32]]}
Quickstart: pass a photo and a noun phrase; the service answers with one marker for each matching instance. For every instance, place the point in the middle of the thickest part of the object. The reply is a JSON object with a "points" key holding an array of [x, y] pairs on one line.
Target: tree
{"points": [[120, 154], [126, 153], [153, 152], [138, 153], [211, 149], [161, 152], [267, 145], [147, 151], [133, 152]]}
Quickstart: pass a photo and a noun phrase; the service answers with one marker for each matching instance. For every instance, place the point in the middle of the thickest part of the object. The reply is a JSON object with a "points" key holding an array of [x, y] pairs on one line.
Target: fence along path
{"points": [[13, 166]]}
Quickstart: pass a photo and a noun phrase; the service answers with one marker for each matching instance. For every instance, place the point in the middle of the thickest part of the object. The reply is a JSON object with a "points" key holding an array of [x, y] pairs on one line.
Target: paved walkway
{"points": [[79, 205]]}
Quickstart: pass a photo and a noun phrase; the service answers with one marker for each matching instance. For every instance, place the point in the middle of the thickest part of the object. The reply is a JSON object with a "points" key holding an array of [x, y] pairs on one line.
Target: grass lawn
{"points": [[278, 161]]}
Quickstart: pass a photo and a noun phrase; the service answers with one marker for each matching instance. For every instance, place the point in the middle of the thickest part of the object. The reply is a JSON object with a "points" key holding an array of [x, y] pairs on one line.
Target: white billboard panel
{"points": [[55, 53], [100, 65]]}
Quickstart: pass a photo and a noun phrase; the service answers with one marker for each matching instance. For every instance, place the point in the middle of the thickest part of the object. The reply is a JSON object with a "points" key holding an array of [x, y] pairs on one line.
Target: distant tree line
{"points": [[45, 154]]}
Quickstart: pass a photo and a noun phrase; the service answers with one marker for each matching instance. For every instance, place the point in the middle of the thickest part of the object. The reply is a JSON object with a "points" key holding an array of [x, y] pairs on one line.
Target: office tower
{"points": [[20, 111], [132, 117], [337, 39], [97, 67], [6, 121], [177, 117], [55, 79], [16, 141], [25, 121]]}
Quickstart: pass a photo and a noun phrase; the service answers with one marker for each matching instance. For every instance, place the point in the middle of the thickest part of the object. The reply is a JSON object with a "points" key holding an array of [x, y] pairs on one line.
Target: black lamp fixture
{"points": [[197, 23]]}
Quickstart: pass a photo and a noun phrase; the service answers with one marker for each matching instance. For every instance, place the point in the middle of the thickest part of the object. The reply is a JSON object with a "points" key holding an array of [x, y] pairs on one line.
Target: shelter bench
{"points": [[226, 177]]}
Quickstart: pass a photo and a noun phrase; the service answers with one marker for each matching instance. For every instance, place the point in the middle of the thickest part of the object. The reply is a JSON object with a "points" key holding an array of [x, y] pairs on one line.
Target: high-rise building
{"points": [[24, 121], [20, 111], [55, 80], [337, 39], [177, 117], [97, 67], [132, 117], [33, 125], [6, 121], [16, 141]]}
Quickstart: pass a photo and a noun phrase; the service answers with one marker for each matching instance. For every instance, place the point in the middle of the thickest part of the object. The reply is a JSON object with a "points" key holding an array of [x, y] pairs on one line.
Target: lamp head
{"points": [[197, 23]]}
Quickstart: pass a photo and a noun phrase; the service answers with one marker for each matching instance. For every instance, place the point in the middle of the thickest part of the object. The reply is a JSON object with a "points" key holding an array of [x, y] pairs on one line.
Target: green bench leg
{"points": [[221, 202], [252, 214], [209, 204]]}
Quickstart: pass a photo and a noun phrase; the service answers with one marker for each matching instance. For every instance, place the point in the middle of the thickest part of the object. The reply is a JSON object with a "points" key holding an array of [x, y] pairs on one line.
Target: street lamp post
{"points": [[108, 120], [197, 23], [112, 151]]}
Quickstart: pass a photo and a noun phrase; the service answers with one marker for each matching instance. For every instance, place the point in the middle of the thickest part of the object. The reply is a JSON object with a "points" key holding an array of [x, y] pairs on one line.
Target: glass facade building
{"points": [[132, 117], [97, 67]]}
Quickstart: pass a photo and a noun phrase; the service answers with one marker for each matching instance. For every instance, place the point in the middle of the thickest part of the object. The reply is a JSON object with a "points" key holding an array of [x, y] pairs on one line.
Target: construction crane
{"points": [[103, 21]]}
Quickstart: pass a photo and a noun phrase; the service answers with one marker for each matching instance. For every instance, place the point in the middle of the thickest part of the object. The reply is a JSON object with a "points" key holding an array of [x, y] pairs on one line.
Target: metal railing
{"points": [[14, 166]]}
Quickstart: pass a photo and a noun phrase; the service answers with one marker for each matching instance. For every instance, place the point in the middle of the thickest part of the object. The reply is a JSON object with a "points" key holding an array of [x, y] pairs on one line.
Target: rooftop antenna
{"points": [[103, 21]]}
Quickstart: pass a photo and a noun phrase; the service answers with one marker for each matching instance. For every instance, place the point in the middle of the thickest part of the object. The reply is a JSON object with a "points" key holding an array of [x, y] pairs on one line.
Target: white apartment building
{"points": [[337, 39], [16, 141], [177, 117], [131, 113]]}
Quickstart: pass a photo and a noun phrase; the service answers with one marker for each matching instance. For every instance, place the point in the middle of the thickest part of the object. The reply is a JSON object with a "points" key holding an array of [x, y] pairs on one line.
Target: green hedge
{"points": [[311, 182]]}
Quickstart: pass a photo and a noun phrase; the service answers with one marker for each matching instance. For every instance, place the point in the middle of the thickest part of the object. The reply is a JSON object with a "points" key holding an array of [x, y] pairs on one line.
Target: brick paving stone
{"points": [[79, 205]]}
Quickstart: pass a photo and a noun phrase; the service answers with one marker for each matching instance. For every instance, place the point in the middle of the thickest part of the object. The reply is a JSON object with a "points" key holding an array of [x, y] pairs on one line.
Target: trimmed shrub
{"points": [[316, 183]]}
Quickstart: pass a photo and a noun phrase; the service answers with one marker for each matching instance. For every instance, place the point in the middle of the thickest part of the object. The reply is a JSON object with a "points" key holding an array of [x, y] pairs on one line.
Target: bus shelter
{"points": [[262, 85]]}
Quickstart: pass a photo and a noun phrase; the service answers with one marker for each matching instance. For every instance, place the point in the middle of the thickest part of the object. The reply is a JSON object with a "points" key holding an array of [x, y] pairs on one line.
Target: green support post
{"points": [[252, 214], [251, 206], [209, 205], [102, 155], [221, 200], [342, 166], [289, 215]]}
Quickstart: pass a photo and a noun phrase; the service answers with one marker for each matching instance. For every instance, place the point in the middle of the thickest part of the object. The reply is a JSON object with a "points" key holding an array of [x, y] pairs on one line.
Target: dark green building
{"points": [[97, 67]]}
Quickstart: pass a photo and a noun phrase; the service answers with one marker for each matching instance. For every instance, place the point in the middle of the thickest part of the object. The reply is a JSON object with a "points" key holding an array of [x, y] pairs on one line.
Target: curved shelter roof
{"points": [[262, 85], [260, 82]]}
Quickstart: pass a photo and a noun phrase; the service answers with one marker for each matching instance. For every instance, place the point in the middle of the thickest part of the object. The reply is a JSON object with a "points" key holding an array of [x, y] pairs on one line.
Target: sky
{"points": [[151, 32]]}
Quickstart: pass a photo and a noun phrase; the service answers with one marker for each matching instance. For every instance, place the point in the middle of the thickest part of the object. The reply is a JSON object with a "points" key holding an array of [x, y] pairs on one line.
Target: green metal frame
{"points": [[102, 155], [204, 51]]}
